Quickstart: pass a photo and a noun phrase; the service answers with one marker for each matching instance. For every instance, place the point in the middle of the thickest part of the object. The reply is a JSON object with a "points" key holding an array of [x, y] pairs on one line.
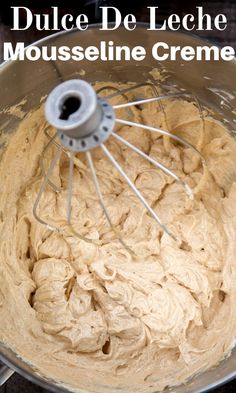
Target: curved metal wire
{"points": [[136, 191], [157, 164], [159, 99], [52, 139], [69, 204], [42, 188], [162, 132], [47, 181], [131, 88], [144, 101], [117, 92], [101, 201]]}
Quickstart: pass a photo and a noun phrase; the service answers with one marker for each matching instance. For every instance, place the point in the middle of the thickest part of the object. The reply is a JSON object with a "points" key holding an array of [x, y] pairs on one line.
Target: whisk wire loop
{"points": [[72, 140], [43, 186], [136, 191]]}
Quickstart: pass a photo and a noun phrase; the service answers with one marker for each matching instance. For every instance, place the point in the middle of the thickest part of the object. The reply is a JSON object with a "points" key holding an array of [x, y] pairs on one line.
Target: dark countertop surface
{"points": [[17, 384]]}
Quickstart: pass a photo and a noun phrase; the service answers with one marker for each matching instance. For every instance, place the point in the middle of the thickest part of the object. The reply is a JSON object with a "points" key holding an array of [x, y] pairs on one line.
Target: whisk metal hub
{"points": [[83, 120]]}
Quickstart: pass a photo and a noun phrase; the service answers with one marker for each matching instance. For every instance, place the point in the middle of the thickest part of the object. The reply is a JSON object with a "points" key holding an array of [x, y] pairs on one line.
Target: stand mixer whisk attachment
{"points": [[84, 120]]}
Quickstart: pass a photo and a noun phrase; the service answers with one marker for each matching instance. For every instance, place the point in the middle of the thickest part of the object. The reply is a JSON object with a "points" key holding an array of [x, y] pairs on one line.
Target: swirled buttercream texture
{"points": [[90, 315]]}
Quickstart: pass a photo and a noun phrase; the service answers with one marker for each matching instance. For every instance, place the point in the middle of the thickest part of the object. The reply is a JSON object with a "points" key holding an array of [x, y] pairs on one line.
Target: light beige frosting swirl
{"points": [[89, 314]]}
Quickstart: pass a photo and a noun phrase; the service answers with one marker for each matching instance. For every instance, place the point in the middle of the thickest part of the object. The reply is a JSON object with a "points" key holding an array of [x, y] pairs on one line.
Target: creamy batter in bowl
{"points": [[158, 318], [140, 325]]}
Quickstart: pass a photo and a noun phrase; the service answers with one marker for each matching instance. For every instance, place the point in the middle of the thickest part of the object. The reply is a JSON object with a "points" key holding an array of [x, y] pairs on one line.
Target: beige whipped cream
{"points": [[88, 314]]}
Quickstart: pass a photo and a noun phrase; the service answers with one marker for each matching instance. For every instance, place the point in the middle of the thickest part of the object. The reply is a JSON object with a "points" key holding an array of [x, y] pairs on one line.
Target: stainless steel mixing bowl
{"points": [[213, 82]]}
